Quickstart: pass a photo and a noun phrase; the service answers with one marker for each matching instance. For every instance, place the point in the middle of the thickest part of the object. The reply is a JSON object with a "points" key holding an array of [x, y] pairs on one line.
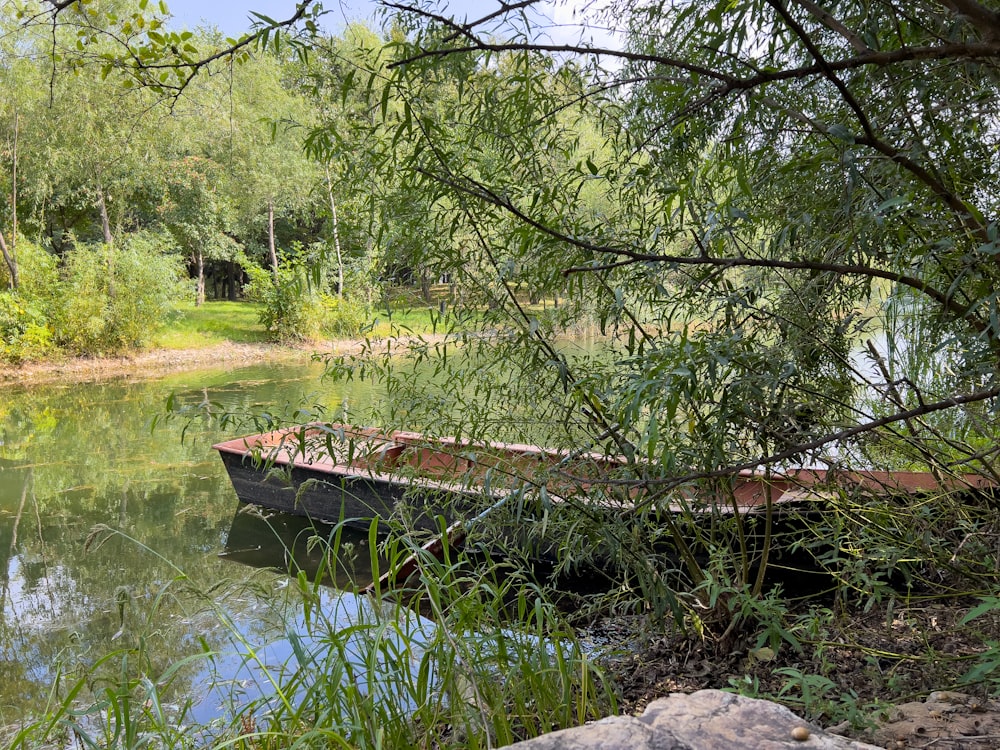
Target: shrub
{"points": [[115, 299], [24, 330], [291, 309], [344, 317]]}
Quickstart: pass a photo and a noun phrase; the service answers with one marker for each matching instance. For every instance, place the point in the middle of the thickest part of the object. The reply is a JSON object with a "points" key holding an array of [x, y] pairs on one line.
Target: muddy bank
{"points": [[156, 362]]}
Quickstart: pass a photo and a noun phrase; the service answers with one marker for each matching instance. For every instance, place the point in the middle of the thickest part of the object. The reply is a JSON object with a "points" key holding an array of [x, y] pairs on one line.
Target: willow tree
{"points": [[787, 229], [740, 195]]}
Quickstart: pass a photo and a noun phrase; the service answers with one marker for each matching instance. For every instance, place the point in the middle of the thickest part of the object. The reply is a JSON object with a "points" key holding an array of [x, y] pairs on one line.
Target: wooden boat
{"points": [[337, 472]]}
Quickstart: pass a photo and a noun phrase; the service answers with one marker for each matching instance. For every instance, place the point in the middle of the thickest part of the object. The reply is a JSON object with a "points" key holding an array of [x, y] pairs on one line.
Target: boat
{"points": [[343, 473]]}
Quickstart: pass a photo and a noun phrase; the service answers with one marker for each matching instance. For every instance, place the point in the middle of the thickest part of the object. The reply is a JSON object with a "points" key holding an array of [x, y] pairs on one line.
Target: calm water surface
{"points": [[75, 458]]}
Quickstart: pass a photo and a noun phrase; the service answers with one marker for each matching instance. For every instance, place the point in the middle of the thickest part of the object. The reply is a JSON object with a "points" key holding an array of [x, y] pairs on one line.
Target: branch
{"points": [[194, 66], [966, 218], [632, 256], [986, 21], [825, 18], [956, 50], [948, 403], [460, 29]]}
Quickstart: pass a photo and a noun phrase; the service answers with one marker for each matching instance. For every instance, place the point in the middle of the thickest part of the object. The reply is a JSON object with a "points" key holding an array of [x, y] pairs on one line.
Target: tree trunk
{"points": [[233, 291], [102, 208], [336, 236], [13, 189], [199, 261], [10, 254], [10, 261], [425, 286], [270, 240]]}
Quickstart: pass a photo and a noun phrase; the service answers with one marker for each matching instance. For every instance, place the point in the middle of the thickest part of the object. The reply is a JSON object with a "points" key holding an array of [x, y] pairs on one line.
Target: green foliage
{"points": [[24, 331], [116, 298], [25, 314], [343, 317], [291, 308]]}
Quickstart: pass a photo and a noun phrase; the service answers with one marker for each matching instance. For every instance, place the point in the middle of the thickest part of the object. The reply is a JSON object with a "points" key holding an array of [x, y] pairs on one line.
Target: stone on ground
{"points": [[704, 720]]}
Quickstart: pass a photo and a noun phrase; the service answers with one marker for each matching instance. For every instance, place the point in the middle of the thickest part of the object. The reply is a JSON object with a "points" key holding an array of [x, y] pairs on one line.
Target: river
{"points": [[116, 535]]}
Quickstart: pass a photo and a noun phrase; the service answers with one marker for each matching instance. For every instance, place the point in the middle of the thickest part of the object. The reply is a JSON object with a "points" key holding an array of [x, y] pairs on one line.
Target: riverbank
{"points": [[154, 362]]}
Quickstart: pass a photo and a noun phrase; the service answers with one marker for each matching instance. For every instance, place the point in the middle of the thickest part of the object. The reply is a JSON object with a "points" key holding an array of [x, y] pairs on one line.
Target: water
{"points": [[78, 457]]}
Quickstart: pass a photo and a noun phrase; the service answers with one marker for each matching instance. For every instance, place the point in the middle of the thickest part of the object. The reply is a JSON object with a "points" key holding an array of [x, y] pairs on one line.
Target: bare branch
{"points": [[827, 19]]}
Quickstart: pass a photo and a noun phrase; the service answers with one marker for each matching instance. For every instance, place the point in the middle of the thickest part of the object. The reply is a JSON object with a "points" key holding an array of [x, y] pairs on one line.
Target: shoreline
{"points": [[152, 363]]}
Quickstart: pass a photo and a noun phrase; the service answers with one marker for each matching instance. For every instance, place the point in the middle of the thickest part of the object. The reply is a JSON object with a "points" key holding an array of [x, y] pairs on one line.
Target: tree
{"points": [[781, 182], [195, 216]]}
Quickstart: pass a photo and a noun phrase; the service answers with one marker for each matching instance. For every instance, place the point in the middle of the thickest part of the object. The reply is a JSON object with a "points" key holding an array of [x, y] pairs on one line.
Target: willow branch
{"points": [[796, 450], [965, 217], [632, 256]]}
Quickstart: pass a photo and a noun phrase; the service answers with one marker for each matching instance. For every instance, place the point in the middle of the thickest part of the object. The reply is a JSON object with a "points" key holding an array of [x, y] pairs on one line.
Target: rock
{"points": [[951, 720], [704, 720]]}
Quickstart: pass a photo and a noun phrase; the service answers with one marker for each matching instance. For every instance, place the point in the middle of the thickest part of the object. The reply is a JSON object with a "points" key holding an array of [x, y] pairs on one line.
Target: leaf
{"points": [[841, 133], [988, 604]]}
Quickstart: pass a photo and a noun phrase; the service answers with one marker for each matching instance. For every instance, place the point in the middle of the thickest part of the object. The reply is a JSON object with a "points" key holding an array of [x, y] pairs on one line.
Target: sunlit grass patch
{"points": [[215, 322]]}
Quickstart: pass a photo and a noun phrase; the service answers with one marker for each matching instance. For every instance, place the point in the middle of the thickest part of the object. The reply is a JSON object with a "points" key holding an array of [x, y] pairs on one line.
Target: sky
{"points": [[232, 16]]}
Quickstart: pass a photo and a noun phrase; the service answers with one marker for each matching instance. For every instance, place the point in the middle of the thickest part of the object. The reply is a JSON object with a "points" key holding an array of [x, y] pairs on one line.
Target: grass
{"points": [[219, 322], [215, 322], [490, 662]]}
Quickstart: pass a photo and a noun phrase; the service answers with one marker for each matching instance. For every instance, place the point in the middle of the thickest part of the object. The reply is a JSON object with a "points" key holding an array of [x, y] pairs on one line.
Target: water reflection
{"points": [[73, 458], [287, 543]]}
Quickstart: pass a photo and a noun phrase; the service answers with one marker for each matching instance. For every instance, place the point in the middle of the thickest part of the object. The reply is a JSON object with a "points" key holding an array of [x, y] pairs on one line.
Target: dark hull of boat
{"points": [[352, 499]]}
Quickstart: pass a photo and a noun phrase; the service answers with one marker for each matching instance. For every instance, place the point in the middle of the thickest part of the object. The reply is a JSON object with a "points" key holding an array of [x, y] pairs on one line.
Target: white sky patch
{"points": [[580, 22]]}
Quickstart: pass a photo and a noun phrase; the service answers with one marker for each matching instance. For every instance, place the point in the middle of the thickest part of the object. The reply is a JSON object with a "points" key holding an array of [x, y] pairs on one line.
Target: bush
{"points": [[344, 317], [24, 330], [291, 309], [115, 299]]}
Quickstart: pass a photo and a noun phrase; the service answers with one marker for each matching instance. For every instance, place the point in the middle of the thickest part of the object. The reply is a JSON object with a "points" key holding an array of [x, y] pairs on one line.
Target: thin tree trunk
{"points": [[105, 222], [270, 240], [10, 254], [425, 286], [233, 291], [13, 188], [9, 260], [102, 207], [199, 260], [336, 236]]}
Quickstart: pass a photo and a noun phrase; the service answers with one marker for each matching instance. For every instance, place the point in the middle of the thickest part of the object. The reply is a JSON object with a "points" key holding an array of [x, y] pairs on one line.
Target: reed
{"points": [[466, 655]]}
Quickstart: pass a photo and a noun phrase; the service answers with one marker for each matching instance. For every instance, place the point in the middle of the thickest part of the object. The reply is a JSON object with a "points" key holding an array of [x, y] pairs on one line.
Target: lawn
{"points": [[215, 322]]}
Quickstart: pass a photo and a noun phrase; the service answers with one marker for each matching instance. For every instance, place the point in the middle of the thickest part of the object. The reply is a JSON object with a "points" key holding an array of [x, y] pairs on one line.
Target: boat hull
{"points": [[352, 499]]}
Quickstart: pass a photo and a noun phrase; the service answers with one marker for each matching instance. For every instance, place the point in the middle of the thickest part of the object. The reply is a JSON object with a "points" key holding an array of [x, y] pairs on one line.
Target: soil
{"points": [[156, 362], [875, 675]]}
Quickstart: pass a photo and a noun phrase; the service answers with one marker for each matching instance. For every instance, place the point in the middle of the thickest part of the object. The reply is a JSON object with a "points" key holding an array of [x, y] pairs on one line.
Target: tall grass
{"points": [[467, 655]]}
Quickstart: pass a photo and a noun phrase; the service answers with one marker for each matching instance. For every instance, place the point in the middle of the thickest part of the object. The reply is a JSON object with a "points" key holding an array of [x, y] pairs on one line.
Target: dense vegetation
{"points": [[119, 200], [782, 218]]}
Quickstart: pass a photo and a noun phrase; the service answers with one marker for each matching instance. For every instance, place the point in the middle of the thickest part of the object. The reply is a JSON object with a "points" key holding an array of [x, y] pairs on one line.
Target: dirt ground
{"points": [[156, 362], [883, 668]]}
